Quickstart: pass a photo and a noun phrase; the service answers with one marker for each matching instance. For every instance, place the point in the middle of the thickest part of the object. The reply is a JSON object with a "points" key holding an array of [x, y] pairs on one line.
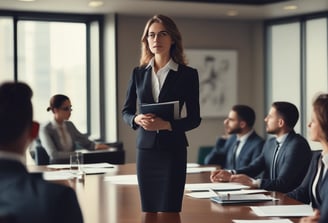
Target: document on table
{"points": [[263, 221], [283, 210], [214, 186], [89, 165], [211, 193], [200, 169], [202, 194], [58, 175], [122, 179], [98, 170], [191, 165], [243, 191], [91, 168], [241, 198]]}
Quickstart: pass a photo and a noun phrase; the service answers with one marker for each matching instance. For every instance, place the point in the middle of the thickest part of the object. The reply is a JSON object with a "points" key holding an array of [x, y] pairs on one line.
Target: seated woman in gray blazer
{"points": [[60, 137]]}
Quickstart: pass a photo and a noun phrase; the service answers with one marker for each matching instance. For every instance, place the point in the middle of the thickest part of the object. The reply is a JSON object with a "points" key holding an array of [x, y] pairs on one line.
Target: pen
{"points": [[213, 192]]}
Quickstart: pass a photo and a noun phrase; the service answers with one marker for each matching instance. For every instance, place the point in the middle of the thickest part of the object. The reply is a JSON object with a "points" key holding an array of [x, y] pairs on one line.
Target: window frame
{"points": [[88, 20], [302, 20]]}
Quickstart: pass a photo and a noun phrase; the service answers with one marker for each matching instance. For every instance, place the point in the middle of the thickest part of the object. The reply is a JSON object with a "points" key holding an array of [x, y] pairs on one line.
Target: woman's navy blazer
{"points": [[181, 85]]}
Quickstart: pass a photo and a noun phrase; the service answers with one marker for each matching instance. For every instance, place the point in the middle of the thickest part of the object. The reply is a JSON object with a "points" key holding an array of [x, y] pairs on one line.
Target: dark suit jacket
{"points": [[181, 85], [218, 154], [251, 149], [29, 198], [292, 163], [303, 193], [324, 208]]}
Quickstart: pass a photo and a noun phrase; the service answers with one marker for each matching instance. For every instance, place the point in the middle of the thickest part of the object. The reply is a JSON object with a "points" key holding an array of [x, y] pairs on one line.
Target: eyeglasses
{"points": [[160, 34], [67, 108]]}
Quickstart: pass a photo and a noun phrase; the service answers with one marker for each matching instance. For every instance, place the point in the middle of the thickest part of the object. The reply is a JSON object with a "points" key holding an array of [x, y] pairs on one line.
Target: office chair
{"points": [[38, 153]]}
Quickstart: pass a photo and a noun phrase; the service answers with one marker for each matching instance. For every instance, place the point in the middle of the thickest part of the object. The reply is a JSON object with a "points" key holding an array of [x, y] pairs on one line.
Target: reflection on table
{"points": [[105, 202]]}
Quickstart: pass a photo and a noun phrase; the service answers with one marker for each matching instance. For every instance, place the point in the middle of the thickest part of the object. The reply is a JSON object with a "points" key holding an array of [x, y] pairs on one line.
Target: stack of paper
{"points": [[91, 168], [200, 169], [264, 221], [283, 210], [241, 198], [214, 186], [211, 193], [122, 179], [58, 175]]}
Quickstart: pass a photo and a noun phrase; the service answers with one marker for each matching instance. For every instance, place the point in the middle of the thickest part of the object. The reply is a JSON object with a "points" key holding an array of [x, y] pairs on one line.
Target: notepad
{"points": [[211, 193], [165, 110], [241, 198], [214, 186], [283, 210], [263, 221]]}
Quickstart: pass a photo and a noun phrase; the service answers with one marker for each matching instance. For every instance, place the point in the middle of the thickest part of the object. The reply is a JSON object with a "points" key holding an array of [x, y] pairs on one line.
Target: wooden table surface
{"points": [[104, 202]]}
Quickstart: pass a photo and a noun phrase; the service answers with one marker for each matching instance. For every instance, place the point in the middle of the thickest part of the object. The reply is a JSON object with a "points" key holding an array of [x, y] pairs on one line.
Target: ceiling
{"points": [[238, 9], [241, 2]]}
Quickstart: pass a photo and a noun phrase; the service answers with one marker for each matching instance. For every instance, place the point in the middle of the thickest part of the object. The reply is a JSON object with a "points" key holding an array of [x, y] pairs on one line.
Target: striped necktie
{"points": [[234, 151], [274, 160]]}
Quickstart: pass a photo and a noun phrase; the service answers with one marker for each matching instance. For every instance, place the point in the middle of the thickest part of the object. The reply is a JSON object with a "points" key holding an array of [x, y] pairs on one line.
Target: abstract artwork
{"points": [[217, 80]]}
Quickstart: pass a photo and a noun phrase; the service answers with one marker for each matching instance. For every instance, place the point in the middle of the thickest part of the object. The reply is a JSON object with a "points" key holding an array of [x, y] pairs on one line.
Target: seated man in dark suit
{"points": [[284, 160], [23, 196], [243, 145]]}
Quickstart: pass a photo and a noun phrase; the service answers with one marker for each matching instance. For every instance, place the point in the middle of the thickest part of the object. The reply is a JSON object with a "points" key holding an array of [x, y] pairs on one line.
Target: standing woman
{"points": [[314, 186], [162, 76]]}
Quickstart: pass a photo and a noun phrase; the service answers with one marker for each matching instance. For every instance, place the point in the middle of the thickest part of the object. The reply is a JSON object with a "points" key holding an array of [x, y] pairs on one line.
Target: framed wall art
{"points": [[217, 80]]}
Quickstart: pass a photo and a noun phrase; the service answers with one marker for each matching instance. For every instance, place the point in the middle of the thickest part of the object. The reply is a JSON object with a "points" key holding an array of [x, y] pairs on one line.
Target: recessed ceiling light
{"points": [[232, 12], [27, 0], [95, 3], [290, 7]]}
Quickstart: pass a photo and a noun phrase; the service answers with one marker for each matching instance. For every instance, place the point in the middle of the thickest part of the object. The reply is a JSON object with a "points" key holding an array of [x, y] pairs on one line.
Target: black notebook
{"points": [[165, 110]]}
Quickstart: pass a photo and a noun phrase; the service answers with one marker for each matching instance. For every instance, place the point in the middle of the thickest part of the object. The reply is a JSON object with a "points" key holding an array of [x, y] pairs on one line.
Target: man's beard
{"points": [[271, 131], [235, 131]]}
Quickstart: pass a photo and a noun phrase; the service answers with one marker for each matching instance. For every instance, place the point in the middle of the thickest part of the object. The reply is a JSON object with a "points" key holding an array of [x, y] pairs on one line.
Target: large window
{"points": [[53, 63], [297, 52], [316, 63], [285, 78], [52, 53]]}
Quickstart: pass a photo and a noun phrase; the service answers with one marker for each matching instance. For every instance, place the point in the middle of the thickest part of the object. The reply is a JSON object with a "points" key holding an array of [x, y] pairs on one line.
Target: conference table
{"points": [[103, 201]]}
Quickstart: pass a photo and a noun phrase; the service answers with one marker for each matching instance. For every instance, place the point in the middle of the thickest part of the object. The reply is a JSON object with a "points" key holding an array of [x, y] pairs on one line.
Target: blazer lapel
{"points": [[324, 184], [148, 92], [168, 84], [283, 147], [248, 144]]}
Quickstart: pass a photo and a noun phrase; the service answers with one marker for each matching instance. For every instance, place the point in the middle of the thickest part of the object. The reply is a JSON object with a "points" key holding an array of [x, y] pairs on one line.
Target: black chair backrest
{"points": [[39, 154]]}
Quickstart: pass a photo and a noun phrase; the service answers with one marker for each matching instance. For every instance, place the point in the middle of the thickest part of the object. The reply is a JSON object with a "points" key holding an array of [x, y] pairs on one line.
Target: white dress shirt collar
{"points": [[281, 139], [171, 65], [243, 138], [158, 78]]}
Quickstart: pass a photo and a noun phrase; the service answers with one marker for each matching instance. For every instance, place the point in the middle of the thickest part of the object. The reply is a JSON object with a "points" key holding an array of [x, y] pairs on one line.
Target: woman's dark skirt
{"points": [[161, 177]]}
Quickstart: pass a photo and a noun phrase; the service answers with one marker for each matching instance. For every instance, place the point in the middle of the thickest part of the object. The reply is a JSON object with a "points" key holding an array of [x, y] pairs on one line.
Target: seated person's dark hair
{"points": [[15, 110]]}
